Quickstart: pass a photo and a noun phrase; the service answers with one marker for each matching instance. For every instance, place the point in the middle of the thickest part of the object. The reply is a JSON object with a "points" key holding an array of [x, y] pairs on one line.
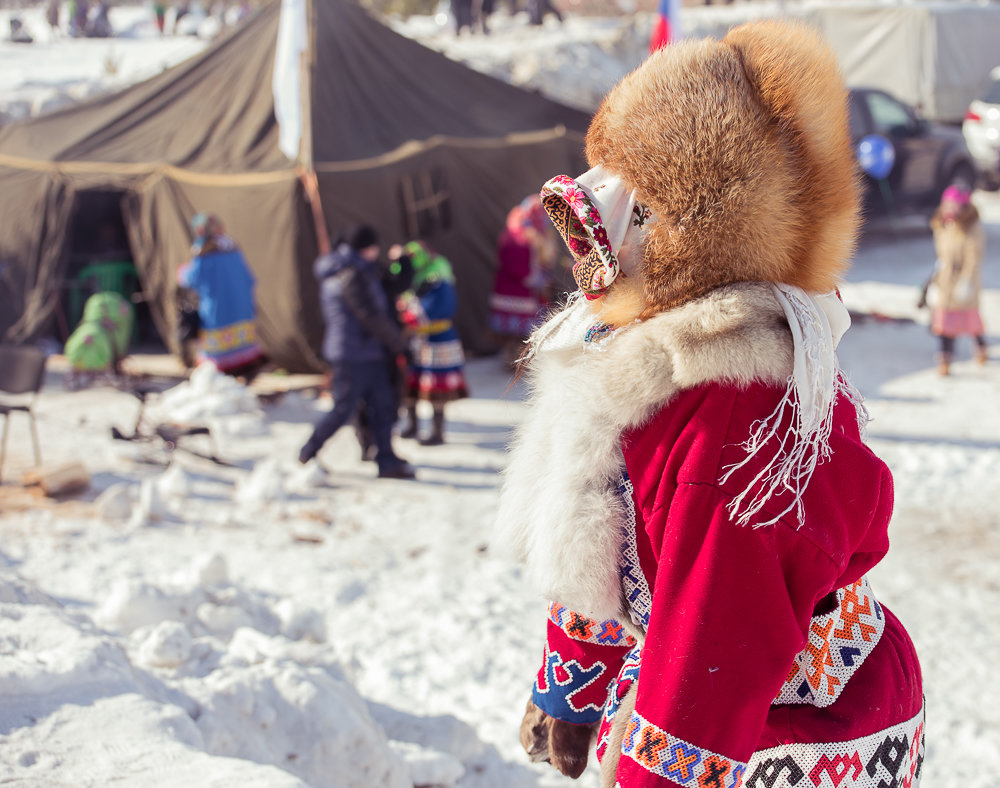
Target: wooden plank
{"points": [[59, 479]]}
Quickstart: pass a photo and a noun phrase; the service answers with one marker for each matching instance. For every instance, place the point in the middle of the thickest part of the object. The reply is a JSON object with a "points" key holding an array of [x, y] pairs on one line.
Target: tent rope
{"points": [[407, 149], [148, 170]]}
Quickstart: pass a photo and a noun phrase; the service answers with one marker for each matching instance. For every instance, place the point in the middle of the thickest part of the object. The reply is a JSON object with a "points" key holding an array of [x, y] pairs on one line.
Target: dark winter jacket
{"points": [[355, 309]]}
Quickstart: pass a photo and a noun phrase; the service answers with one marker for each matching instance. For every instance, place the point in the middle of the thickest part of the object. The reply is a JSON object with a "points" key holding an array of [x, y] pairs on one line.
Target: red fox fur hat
{"points": [[741, 149]]}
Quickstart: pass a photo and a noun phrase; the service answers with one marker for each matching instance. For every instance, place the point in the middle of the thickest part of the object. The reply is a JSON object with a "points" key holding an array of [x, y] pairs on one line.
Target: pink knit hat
{"points": [[956, 194]]}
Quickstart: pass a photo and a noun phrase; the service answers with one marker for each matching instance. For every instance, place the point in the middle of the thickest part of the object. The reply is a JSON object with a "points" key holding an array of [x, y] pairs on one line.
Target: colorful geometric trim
{"points": [[433, 327], [597, 332], [889, 758], [449, 384], [634, 584], [437, 356], [839, 642], [557, 684], [231, 346], [619, 688], [588, 630], [667, 756], [231, 337], [234, 359]]}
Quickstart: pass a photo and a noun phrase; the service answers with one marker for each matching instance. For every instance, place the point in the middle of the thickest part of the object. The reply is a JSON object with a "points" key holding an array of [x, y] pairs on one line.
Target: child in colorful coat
{"points": [[689, 485], [437, 371], [959, 241]]}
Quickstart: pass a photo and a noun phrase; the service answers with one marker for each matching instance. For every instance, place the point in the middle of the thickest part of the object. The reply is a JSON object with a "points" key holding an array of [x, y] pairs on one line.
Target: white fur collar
{"points": [[559, 513]]}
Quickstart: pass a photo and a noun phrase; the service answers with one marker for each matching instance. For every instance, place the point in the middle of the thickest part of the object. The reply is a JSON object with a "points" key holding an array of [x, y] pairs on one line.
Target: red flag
{"points": [[666, 28]]}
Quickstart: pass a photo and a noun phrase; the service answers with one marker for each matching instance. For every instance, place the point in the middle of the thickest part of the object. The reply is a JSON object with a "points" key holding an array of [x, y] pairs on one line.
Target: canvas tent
{"points": [[933, 55], [398, 135], [937, 56]]}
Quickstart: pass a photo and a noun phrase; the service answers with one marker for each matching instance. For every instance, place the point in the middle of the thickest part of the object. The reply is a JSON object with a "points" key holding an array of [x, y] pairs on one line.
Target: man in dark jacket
{"points": [[395, 277], [360, 337]]}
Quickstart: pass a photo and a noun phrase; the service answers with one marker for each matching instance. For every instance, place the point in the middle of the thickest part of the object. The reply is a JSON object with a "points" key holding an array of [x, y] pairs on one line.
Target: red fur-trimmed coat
{"points": [[748, 656]]}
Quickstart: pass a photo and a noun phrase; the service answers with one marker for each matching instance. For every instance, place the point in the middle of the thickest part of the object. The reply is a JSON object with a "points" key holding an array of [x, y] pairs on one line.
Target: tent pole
{"points": [[305, 170], [311, 185]]}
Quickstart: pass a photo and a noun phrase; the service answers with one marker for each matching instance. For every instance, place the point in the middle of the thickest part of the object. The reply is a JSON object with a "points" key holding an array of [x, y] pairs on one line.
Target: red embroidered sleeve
{"points": [[582, 656]]}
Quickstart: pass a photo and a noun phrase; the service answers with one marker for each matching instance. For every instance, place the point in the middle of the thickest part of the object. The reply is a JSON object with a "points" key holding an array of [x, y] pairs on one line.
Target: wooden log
{"points": [[59, 479]]}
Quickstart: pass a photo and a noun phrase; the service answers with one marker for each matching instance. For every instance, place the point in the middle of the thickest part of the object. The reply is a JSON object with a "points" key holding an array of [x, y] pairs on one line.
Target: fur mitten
{"points": [[563, 744]]}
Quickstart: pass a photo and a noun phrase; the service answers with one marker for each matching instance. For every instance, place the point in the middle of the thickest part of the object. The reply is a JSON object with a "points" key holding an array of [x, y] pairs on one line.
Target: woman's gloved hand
{"points": [[563, 744]]}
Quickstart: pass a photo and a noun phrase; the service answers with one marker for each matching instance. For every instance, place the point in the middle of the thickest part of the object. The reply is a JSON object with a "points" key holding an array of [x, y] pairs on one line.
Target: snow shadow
{"points": [[489, 437], [453, 474], [875, 352], [936, 440], [294, 407], [447, 733]]}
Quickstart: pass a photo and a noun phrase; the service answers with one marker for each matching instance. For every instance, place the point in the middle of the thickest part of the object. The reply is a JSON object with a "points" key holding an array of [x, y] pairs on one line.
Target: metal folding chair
{"points": [[22, 371]]}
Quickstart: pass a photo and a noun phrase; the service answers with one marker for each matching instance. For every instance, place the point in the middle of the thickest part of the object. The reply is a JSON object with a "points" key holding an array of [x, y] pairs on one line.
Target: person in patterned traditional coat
{"points": [[437, 371], [528, 277], [689, 486], [219, 275]]}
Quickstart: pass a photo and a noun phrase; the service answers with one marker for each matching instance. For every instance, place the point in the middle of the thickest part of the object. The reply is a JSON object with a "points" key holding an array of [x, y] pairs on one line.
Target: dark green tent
{"points": [[399, 136]]}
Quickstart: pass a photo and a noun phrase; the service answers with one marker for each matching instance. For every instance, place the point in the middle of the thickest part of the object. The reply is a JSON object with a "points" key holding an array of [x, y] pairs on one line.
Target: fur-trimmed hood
{"points": [[741, 150], [559, 512]]}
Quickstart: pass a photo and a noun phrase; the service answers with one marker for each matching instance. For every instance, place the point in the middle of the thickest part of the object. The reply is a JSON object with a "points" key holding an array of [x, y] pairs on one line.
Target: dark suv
{"points": [[929, 156]]}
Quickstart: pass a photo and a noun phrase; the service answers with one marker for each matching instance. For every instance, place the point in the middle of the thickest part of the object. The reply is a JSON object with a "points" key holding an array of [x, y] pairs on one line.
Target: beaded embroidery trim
{"points": [[588, 630], [839, 641], [634, 584], [891, 757]]}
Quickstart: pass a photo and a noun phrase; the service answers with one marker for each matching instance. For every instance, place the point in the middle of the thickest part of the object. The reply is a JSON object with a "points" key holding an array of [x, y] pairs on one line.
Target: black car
{"points": [[928, 156]]}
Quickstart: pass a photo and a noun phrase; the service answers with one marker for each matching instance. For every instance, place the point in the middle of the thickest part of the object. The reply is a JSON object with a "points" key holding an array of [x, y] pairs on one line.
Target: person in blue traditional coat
{"points": [[219, 275], [437, 373]]}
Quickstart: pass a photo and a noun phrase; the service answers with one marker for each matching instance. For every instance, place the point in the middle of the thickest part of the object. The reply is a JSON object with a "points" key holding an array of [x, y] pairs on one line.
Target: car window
{"points": [[993, 94], [888, 115]]}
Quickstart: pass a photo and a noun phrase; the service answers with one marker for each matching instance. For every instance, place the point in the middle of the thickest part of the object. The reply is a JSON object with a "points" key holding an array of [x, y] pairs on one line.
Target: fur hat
{"points": [[741, 151]]}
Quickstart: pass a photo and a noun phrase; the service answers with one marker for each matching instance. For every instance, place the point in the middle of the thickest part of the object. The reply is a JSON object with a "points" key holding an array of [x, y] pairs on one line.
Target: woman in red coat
{"points": [[690, 486]]}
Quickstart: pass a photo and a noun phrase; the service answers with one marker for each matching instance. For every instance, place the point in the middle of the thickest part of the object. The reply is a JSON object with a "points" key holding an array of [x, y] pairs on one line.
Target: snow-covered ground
{"points": [[264, 625], [55, 69]]}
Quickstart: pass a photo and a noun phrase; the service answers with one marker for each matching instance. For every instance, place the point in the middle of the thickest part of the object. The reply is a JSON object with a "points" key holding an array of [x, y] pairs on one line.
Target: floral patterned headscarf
{"points": [[602, 224]]}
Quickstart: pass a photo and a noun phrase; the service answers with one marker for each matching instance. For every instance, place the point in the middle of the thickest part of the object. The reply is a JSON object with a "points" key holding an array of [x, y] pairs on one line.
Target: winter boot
{"points": [[410, 425], [397, 469], [981, 355], [436, 438], [944, 364]]}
